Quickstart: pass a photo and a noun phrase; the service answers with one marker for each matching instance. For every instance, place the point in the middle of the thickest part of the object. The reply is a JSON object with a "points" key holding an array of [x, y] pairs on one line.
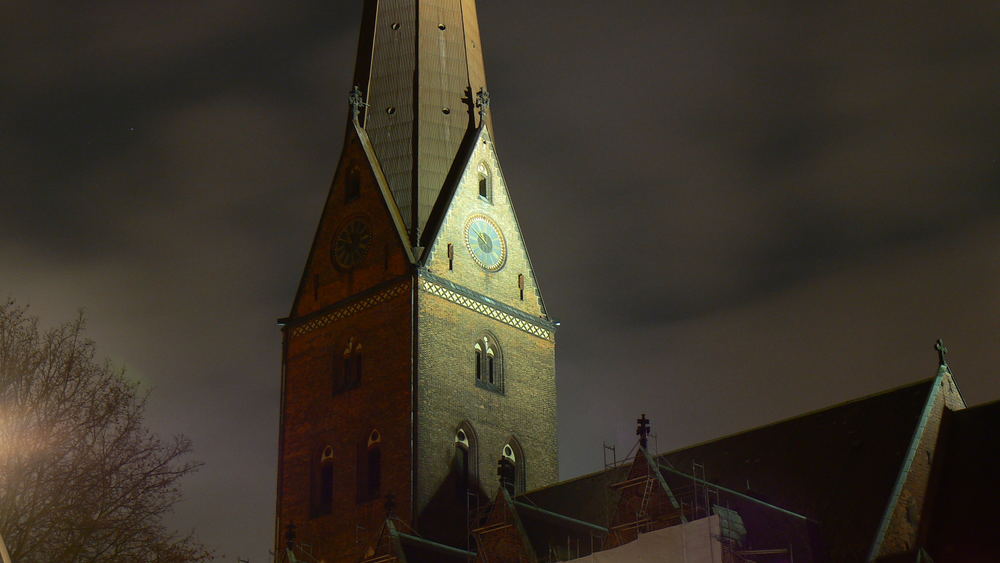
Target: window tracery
{"points": [[489, 363], [348, 374]]}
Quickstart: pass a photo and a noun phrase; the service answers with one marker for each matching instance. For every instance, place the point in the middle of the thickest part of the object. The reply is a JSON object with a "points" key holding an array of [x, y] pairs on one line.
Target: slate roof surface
{"points": [[965, 508], [837, 467], [586, 498]]}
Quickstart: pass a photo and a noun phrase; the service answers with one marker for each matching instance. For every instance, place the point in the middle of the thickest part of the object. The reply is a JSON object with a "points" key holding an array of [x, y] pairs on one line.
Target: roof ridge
{"points": [[915, 384], [571, 480]]}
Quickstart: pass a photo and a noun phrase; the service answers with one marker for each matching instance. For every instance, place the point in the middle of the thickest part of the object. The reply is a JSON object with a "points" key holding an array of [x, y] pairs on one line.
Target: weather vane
{"points": [[357, 101]]}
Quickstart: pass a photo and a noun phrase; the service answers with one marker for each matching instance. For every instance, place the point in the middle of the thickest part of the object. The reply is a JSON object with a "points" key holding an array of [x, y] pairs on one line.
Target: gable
{"points": [[962, 514], [513, 283], [358, 193]]}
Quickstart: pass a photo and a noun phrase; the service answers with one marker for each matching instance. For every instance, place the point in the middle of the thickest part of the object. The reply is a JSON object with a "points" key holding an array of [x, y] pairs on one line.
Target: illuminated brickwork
{"points": [[450, 319], [371, 304], [411, 316], [474, 304], [352, 308], [501, 285]]}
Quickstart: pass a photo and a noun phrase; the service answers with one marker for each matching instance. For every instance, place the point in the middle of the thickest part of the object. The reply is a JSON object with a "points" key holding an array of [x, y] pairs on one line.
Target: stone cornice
{"points": [[475, 301]]}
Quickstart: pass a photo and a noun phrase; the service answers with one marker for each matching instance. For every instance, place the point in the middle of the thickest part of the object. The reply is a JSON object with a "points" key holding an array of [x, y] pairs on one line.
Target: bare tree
{"points": [[81, 478]]}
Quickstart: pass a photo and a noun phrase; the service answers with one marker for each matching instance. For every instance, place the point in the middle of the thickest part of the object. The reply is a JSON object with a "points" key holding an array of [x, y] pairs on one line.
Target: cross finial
{"points": [[357, 101], [942, 353], [642, 430], [483, 103]]}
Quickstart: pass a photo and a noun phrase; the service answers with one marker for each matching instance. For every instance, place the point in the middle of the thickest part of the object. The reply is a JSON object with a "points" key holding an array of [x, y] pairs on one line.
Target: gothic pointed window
{"points": [[510, 468], [347, 372], [322, 490], [485, 183], [465, 463], [370, 468], [489, 363]]}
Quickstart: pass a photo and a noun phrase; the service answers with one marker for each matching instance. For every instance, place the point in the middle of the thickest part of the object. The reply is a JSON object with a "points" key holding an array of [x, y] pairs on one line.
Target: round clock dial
{"points": [[485, 242], [351, 244]]}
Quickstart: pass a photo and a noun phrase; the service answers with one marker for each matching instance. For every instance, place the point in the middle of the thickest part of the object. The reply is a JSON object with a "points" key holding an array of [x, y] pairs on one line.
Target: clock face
{"points": [[351, 244], [485, 242]]}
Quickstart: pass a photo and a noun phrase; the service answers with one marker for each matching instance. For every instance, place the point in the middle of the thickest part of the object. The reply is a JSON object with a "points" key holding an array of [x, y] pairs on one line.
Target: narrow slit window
{"points": [[479, 364], [485, 183], [374, 471], [352, 190], [322, 493], [465, 466], [358, 367], [370, 467]]}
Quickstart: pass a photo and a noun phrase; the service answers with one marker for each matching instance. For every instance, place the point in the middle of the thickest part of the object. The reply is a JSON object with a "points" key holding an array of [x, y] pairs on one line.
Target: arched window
{"points": [[347, 375], [465, 466], [510, 467], [322, 497], [489, 363], [370, 468], [485, 183]]}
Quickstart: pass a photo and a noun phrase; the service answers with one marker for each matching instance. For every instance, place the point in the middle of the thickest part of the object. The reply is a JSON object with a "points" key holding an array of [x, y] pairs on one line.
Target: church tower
{"points": [[418, 361]]}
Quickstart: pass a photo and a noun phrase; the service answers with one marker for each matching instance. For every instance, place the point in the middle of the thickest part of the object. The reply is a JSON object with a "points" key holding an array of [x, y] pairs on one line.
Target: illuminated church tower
{"points": [[418, 358]]}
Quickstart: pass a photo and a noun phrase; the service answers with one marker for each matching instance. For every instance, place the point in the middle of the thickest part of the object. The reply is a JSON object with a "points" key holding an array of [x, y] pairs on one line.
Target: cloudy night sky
{"points": [[738, 213]]}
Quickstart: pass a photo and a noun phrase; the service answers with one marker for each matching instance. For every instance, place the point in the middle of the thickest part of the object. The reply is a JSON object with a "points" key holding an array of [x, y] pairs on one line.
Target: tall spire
{"points": [[420, 67]]}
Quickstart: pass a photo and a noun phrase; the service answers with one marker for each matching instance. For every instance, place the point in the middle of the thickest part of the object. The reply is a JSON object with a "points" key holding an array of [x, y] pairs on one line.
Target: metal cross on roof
{"points": [[357, 101], [642, 430], [483, 103], [942, 353]]}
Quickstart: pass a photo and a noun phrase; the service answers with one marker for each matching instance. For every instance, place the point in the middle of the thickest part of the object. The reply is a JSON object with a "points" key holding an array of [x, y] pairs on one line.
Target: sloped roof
{"points": [[420, 549], [828, 475], [964, 509], [836, 466], [553, 533], [419, 65], [588, 498]]}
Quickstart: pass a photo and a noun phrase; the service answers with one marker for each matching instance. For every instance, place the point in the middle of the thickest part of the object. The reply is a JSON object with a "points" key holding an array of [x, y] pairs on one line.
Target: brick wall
{"points": [[370, 303], [447, 331], [449, 395], [501, 285], [373, 303]]}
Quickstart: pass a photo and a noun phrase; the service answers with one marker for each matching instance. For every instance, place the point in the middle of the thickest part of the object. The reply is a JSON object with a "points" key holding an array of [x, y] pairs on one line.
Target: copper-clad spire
{"points": [[420, 67]]}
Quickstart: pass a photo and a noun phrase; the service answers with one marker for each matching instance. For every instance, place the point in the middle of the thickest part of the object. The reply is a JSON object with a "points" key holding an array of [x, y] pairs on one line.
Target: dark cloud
{"points": [[739, 213]]}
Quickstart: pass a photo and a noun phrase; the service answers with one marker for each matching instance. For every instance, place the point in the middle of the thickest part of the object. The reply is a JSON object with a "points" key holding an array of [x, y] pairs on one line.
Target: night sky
{"points": [[738, 213]]}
